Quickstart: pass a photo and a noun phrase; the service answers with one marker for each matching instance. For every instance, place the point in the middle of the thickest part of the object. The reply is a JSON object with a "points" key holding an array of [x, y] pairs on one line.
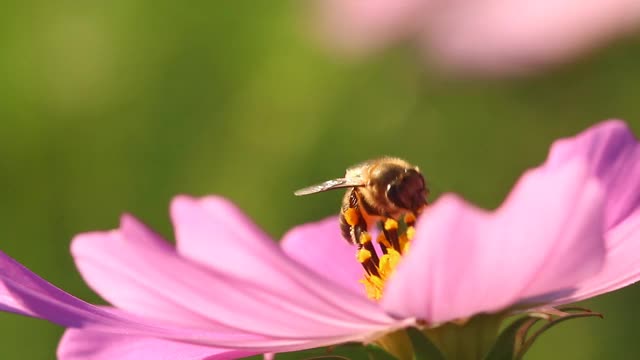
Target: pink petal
{"points": [[96, 345], [263, 293], [614, 157], [518, 36], [499, 37], [124, 273], [546, 237], [23, 292], [227, 226], [216, 227], [613, 154], [321, 248], [92, 345], [622, 264], [136, 268]]}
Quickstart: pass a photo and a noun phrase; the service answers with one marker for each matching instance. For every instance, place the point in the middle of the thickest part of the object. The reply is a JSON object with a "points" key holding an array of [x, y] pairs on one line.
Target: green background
{"points": [[116, 107]]}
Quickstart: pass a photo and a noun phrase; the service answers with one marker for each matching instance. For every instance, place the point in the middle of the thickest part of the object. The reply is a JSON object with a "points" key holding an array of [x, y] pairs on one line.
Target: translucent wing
{"points": [[330, 185]]}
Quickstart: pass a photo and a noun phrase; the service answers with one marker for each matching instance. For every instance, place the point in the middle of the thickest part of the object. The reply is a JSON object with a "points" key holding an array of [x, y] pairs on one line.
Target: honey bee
{"points": [[377, 190]]}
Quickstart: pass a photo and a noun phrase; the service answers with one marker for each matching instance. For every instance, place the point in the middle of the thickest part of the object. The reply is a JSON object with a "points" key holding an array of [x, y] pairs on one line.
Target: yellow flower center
{"points": [[393, 244]]}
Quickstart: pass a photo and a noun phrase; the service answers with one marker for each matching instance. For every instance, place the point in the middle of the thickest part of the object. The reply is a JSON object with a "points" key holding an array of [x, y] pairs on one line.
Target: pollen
{"points": [[374, 284], [405, 247], [365, 237], [410, 219], [363, 255], [351, 216], [390, 224], [389, 262], [404, 242], [411, 231], [393, 245]]}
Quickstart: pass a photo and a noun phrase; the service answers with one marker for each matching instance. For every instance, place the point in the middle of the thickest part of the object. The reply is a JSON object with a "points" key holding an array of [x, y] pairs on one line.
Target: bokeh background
{"points": [[118, 106]]}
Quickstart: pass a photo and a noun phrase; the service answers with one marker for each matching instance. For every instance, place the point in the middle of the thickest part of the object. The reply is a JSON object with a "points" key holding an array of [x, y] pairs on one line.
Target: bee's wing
{"points": [[329, 185]]}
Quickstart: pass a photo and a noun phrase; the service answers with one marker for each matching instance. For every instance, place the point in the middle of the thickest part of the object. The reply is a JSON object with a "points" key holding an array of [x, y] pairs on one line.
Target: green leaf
{"points": [[510, 340], [581, 313], [377, 353], [423, 348], [514, 341], [350, 351]]}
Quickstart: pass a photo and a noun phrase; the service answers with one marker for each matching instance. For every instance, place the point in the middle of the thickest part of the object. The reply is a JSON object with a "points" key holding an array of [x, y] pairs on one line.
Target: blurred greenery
{"points": [[118, 106]]}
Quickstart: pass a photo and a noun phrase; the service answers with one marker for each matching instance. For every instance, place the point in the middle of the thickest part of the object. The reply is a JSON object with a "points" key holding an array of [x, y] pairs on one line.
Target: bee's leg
{"points": [[351, 220], [354, 228]]}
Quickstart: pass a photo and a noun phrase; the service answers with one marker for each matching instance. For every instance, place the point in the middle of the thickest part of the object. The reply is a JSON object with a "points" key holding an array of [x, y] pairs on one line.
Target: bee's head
{"points": [[407, 190]]}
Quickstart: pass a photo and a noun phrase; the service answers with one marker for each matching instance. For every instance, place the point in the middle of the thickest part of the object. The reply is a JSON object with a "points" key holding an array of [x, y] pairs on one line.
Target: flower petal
{"points": [[519, 36], [614, 157], [491, 37], [219, 226], [92, 345], [124, 272], [138, 272], [546, 237], [622, 264], [226, 226], [321, 248], [25, 293], [145, 263]]}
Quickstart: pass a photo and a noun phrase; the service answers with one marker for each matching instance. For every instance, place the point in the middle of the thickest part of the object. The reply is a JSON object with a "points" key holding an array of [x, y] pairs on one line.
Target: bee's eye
{"points": [[408, 192], [392, 194]]}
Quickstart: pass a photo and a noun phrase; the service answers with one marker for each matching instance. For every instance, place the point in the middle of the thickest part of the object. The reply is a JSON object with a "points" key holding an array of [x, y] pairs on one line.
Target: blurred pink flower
{"points": [[569, 230], [485, 36]]}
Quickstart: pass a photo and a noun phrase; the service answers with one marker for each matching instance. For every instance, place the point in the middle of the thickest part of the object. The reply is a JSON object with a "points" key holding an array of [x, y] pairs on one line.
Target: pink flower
{"points": [[569, 230], [487, 36]]}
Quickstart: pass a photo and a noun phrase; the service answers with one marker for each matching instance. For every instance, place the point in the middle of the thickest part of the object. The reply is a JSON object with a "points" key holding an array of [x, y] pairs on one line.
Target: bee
{"points": [[377, 190]]}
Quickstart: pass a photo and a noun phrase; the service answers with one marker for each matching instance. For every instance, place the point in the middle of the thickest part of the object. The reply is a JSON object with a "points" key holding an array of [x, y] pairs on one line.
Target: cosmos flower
{"points": [[569, 230], [485, 36]]}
